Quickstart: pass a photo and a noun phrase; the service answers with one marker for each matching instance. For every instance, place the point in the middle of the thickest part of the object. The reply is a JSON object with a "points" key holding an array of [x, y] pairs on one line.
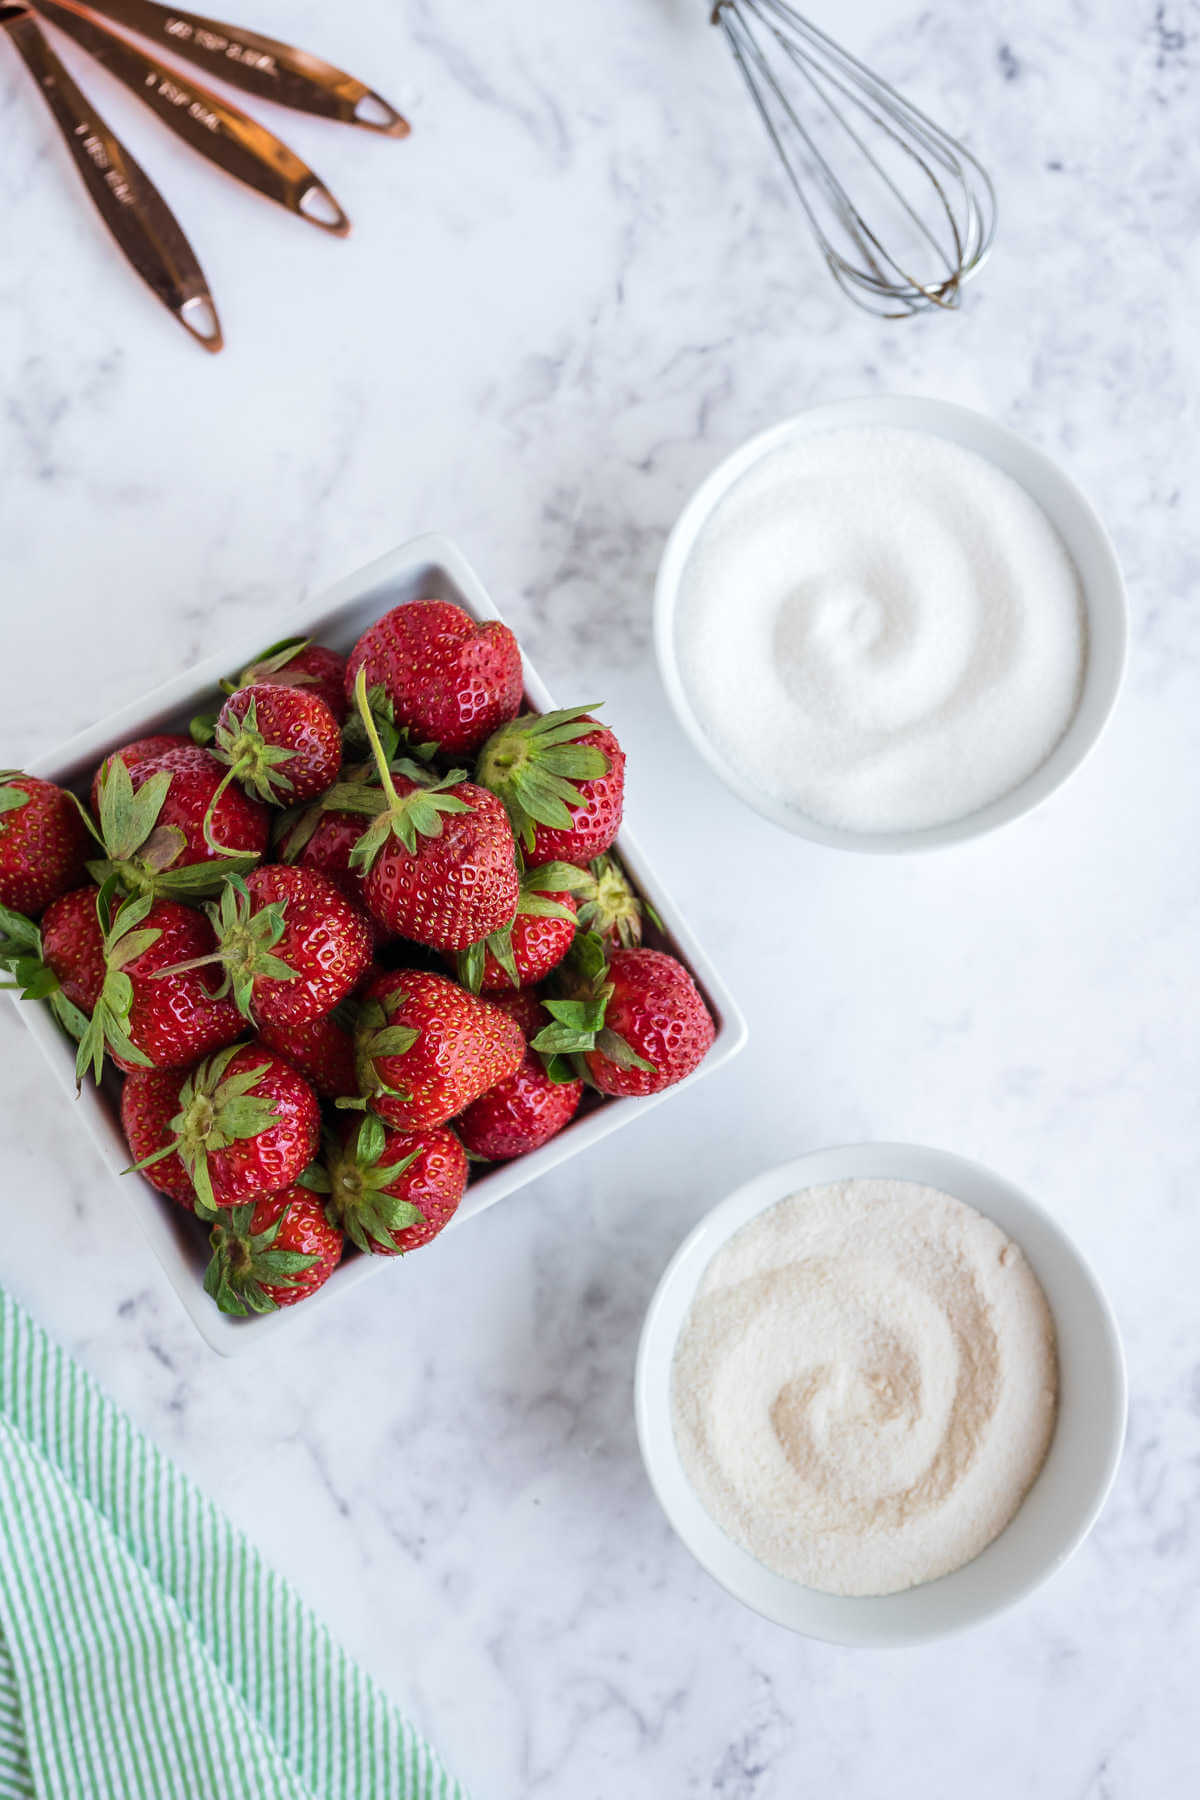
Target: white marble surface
{"points": [[574, 289]]}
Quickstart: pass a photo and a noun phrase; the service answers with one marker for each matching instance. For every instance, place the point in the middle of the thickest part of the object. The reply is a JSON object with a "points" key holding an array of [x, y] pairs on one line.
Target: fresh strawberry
{"points": [[438, 860], [426, 1049], [109, 957], [245, 1124], [99, 962], [141, 750], [290, 943], [324, 840], [323, 1051], [152, 823], [636, 1019], [610, 906], [43, 843], [562, 778], [525, 1007], [271, 1252], [519, 1114], [443, 878], [72, 947], [282, 744], [447, 678], [297, 663], [656, 1012], [523, 953], [149, 1106], [22, 955], [392, 1191], [530, 1107]]}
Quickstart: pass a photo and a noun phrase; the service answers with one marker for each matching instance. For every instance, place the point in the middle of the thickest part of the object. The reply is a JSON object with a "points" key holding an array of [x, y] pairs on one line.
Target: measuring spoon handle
{"points": [[141, 222], [261, 65], [221, 132]]}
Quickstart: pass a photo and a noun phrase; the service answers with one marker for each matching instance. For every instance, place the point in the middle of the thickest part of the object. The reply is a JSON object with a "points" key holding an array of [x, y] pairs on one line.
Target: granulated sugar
{"points": [[881, 630], [865, 1388]]}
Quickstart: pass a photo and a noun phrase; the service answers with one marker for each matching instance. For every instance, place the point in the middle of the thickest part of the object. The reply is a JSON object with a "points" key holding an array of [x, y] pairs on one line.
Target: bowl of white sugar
{"points": [[891, 624], [880, 1395]]}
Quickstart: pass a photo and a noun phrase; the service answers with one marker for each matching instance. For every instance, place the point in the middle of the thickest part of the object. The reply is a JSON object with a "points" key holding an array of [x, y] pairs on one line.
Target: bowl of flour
{"points": [[891, 624], [880, 1395]]}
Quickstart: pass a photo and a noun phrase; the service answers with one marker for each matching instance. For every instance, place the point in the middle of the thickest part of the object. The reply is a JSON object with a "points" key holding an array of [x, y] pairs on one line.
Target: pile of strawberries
{"points": [[358, 933]]}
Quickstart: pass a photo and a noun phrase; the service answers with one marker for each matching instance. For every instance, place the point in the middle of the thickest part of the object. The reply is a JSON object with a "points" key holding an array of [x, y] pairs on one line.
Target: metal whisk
{"points": [[827, 115]]}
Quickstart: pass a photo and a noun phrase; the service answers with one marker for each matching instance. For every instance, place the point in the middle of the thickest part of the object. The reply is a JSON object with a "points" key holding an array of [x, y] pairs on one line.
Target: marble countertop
{"points": [[575, 288]]}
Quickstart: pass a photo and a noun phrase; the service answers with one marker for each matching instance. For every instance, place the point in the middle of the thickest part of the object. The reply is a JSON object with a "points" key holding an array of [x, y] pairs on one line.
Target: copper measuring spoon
{"points": [[220, 131], [144, 227], [141, 222], [261, 65]]}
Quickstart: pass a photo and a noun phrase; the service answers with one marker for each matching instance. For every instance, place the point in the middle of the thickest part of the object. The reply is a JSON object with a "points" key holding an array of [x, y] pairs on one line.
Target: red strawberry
{"points": [[291, 944], [636, 1019], [426, 1049], [530, 1107], [282, 744], [537, 943], [72, 919], [296, 663], [519, 1114], [525, 1008], [141, 750], [271, 1252], [656, 1009], [393, 1191], [108, 960], [323, 841], [72, 946], [149, 1104], [245, 1124], [562, 778], [523, 953], [453, 886], [439, 860], [152, 820], [447, 678], [44, 843], [322, 1050]]}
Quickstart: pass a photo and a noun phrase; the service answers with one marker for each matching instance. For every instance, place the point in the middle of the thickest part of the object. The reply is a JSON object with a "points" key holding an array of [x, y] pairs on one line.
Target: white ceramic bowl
{"points": [[1065, 505], [429, 566], [1059, 1509]]}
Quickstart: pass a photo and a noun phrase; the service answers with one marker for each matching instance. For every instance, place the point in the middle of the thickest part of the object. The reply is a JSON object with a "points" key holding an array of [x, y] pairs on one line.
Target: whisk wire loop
{"points": [[950, 216], [852, 220]]}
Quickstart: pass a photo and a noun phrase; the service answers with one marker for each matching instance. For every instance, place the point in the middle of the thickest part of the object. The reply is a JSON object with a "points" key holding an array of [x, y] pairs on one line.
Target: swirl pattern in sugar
{"points": [[881, 629], [866, 1386]]}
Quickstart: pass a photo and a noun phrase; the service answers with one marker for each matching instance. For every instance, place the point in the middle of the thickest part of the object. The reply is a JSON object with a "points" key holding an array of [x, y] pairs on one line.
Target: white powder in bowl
{"points": [[866, 1385], [881, 630]]}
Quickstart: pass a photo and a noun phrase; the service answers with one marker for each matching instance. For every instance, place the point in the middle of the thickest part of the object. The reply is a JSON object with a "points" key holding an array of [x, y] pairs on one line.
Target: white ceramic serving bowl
{"points": [[1064, 1501], [1065, 505], [428, 567]]}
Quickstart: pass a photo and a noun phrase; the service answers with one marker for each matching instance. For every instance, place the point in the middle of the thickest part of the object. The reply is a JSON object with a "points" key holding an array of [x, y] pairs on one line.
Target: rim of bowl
{"points": [[1069, 511], [655, 1359]]}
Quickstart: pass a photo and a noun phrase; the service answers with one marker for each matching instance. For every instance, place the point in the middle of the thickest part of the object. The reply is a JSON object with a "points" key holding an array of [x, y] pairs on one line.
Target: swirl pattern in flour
{"points": [[881, 629], [866, 1386]]}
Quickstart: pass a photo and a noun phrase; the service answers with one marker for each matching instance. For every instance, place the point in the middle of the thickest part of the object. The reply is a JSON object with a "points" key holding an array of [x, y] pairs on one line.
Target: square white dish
{"points": [[429, 566]]}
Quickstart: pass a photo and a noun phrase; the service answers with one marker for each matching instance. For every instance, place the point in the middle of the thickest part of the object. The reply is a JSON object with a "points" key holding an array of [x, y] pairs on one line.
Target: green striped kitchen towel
{"points": [[146, 1650]]}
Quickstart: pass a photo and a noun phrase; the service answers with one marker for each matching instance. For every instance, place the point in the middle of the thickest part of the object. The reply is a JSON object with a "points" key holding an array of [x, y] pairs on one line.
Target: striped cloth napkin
{"points": [[146, 1651]]}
